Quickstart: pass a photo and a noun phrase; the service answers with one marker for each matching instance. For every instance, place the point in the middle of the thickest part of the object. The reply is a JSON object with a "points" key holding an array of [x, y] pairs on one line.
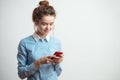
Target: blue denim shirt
{"points": [[32, 48]]}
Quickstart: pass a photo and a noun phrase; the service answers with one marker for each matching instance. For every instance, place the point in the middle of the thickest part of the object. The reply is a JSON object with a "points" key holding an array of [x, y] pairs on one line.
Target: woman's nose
{"points": [[48, 26]]}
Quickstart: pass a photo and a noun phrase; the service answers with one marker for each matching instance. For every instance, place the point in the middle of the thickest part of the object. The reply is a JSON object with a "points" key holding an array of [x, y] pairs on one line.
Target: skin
{"points": [[44, 26]]}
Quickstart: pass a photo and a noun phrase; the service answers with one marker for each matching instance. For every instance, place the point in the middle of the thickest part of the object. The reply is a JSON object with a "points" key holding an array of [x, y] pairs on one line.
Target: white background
{"points": [[88, 29]]}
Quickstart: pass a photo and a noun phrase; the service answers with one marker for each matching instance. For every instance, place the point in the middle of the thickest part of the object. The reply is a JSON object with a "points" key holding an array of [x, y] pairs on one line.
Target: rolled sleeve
{"points": [[24, 70], [58, 69]]}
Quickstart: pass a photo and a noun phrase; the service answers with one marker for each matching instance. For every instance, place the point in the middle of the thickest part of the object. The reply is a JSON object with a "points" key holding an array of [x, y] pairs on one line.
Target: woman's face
{"points": [[45, 25]]}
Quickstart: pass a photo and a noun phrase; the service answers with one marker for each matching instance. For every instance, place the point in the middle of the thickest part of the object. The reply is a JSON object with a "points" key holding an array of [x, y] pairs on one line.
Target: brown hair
{"points": [[43, 9]]}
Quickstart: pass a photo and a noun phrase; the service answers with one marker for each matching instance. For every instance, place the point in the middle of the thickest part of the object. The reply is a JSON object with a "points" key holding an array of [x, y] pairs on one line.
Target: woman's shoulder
{"points": [[27, 39], [55, 39]]}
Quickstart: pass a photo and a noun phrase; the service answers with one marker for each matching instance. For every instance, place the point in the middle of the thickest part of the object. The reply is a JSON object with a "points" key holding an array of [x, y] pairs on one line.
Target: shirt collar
{"points": [[37, 37]]}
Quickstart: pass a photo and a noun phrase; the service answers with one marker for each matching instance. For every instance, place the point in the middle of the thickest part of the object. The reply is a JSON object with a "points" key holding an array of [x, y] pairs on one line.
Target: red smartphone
{"points": [[58, 53]]}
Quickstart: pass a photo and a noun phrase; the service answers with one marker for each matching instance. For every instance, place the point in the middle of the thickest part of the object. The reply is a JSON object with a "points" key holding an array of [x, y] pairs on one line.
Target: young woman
{"points": [[35, 52]]}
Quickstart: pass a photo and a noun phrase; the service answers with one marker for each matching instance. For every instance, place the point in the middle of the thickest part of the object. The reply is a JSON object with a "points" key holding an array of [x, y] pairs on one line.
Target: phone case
{"points": [[58, 53]]}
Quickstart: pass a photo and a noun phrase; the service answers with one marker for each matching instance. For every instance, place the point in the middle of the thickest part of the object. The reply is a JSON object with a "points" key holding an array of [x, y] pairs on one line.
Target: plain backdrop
{"points": [[88, 29]]}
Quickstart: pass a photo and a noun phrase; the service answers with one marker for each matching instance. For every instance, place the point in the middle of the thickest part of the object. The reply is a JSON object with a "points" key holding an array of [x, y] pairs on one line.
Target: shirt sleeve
{"points": [[58, 69], [24, 70]]}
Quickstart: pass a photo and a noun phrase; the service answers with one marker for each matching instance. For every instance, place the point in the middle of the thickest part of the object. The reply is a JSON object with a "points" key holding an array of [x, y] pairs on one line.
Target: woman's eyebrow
{"points": [[47, 23]]}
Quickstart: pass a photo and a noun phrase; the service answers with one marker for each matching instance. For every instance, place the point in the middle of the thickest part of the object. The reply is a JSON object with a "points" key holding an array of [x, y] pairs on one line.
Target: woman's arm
{"points": [[24, 70]]}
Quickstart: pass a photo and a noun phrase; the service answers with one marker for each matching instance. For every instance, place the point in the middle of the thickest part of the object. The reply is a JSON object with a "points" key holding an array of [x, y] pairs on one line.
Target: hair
{"points": [[44, 9]]}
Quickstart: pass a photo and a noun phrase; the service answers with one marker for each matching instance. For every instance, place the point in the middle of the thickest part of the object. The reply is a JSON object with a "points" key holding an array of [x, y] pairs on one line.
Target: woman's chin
{"points": [[47, 32]]}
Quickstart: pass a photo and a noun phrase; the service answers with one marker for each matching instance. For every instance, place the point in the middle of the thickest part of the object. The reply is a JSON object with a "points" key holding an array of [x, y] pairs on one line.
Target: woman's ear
{"points": [[35, 28], [53, 30]]}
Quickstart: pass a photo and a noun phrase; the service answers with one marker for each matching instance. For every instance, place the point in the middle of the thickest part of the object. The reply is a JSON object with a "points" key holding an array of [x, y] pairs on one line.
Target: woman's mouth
{"points": [[47, 31]]}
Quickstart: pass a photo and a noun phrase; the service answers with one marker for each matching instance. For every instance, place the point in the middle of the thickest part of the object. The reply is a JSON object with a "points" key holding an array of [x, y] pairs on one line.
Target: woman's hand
{"points": [[56, 59], [48, 59], [45, 60]]}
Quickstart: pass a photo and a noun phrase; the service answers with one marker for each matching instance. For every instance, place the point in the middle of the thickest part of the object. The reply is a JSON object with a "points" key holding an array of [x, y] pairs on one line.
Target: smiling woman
{"points": [[45, 25], [36, 59], [89, 31]]}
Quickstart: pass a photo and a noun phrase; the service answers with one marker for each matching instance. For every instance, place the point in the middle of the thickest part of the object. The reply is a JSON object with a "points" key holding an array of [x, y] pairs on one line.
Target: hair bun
{"points": [[45, 3]]}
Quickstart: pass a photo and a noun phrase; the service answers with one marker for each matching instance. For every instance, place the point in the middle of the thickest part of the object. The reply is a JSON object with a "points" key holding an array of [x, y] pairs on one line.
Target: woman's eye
{"points": [[51, 24], [44, 24]]}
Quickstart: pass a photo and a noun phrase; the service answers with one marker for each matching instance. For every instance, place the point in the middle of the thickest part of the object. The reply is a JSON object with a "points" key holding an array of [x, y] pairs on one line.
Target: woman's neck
{"points": [[41, 35]]}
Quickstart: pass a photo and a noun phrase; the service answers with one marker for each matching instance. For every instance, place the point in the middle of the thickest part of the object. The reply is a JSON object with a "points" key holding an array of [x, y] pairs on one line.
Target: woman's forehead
{"points": [[47, 19]]}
